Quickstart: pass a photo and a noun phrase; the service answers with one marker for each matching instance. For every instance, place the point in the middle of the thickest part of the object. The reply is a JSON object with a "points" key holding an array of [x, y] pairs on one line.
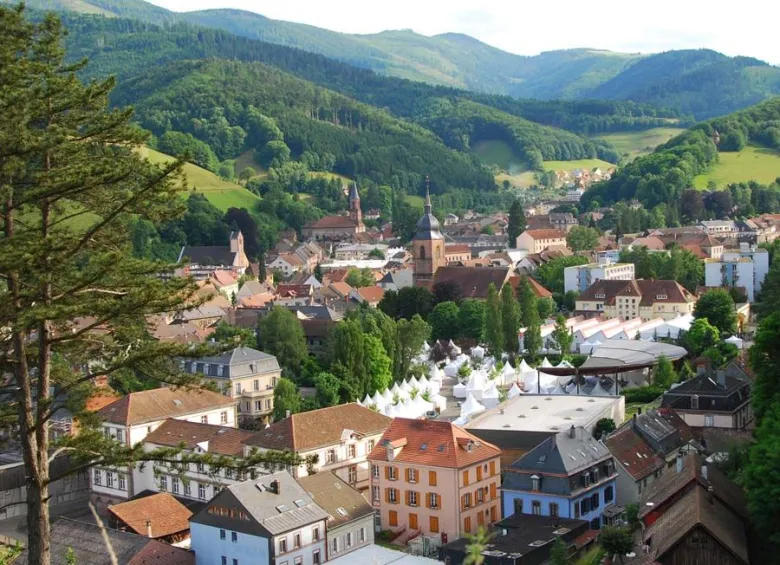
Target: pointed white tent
{"points": [[454, 349], [734, 340], [514, 391], [565, 364], [471, 407], [366, 401], [598, 390], [546, 363], [459, 391], [423, 384], [439, 401], [524, 367], [405, 388], [508, 374], [360, 403], [477, 352], [436, 374], [557, 389], [490, 398], [413, 382], [388, 395], [396, 390]]}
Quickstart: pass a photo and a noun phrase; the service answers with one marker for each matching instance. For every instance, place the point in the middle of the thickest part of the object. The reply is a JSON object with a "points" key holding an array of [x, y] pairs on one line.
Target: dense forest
{"points": [[663, 175]]}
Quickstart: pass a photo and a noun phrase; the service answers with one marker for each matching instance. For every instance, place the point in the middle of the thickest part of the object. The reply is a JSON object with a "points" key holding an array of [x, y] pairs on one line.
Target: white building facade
{"points": [[746, 267], [580, 277]]}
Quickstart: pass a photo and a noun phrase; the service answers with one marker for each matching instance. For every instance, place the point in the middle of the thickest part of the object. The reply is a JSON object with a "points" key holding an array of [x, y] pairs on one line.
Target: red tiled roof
{"points": [[457, 248], [633, 453], [433, 442], [161, 403], [473, 282], [159, 553], [538, 289], [371, 294], [336, 275], [221, 439], [332, 222], [546, 234], [293, 290], [316, 428], [162, 512], [648, 290], [341, 288], [223, 278]]}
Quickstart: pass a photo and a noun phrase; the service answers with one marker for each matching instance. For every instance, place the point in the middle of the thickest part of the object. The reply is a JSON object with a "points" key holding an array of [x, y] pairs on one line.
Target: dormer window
{"points": [[205, 368], [600, 295], [535, 481], [661, 297]]}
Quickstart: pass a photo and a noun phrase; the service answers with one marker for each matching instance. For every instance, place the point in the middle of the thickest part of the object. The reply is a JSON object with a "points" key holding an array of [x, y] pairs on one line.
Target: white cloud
{"points": [[528, 27]]}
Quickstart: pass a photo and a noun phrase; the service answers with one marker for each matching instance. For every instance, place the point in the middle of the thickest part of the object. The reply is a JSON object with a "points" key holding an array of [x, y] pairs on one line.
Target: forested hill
{"points": [[701, 83], [662, 176]]}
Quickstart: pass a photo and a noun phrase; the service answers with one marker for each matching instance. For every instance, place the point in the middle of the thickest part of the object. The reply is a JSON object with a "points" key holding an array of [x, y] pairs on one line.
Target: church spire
{"points": [[428, 207]]}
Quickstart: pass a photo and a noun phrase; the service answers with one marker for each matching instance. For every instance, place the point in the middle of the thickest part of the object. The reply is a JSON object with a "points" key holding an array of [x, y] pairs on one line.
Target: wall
{"points": [[209, 548], [67, 494], [340, 535], [308, 546]]}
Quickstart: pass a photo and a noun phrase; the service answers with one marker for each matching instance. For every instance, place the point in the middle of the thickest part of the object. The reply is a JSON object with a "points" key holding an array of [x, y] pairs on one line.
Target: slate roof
{"points": [[723, 390], [648, 290], [238, 362], [316, 428], [219, 255], [342, 502], [663, 429], [472, 281], [563, 455], [695, 509], [162, 512], [632, 453], [433, 442], [289, 509], [90, 549], [221, 440], [161, 403]]}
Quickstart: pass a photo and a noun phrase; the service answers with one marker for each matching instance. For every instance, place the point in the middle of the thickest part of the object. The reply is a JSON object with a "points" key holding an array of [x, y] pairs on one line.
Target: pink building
{"points": [[435, 478]]}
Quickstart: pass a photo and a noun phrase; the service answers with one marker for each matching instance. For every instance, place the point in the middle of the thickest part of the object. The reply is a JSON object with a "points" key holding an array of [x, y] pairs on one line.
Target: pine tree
{"points": [[494, 330], [562, 335], [517, 223], [510, 319]]}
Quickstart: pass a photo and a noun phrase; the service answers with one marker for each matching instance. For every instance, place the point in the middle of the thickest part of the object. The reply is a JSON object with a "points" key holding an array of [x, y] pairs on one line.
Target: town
{"points": [[293, 328]]}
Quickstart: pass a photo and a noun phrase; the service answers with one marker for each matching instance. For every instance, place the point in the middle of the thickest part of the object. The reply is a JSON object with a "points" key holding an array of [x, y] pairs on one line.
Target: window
{"points": [[392, 496], [234, 537], [362, 535], [330, 456], [315, 557], [518, 504], [594, 501], [467, 500], [466, 478], [353, 474], [120, 435], [258, 406], [224, 560], [694, 402], [370, 446], [411, 498], [334, 545], [585, 506], [351, 450], [432, 478], [434, 524], [433, 500], [201, 468], [392, 473], [535, 483], [222, 534], [163, 482], [595, 524], [175, 485], [709, 421], [268, 404], [608, 495], [187, 489], [256, 385], [110, 479], [228, 473], [283, 545], [238, 388], [202, 492], [467, 524], [576, 509], [479, 495], [223, 418], [349, 539], [122, 482], [235, 561], [204, 419], [554, 509], [411, 475], [297, 541], [536, 507], [375, 494], [274, 380], [375, 471], [315, 533], [393, 518], [298, 560]]}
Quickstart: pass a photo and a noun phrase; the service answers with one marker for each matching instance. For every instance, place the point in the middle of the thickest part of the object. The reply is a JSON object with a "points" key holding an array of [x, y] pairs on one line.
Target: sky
{"points": [[530, 27]]}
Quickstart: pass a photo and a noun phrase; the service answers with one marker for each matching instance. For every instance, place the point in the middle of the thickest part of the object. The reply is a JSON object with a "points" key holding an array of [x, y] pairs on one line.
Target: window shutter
{"points": [[387, 495], [492, 490], [387, 473], [428, 500], [492, 468]]}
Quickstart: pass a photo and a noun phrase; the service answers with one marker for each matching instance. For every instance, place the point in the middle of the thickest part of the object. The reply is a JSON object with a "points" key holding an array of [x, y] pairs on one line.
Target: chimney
{"points": [[710, 490], [639, 411], [572, 432], [704, 472], [274, 486], [721, 376], [679, 462], [148, 528], [287, 413]]}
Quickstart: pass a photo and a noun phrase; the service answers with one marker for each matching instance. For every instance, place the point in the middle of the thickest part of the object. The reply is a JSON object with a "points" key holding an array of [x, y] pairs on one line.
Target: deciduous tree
{"points": [[281, 334], [412, 334], [664, 375], [510, 319], [581, 238], [494, 334], [472, 318], [717, 306], [701, 336], [286, 398], [444, 321], [562, 335]]}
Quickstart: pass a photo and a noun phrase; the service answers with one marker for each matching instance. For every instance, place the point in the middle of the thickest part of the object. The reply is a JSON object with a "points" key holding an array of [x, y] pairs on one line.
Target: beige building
{"points": [[645, 299], [244, 374], [536, 241], [338, 228], [457, 253], [340, 437], [436, 478]]}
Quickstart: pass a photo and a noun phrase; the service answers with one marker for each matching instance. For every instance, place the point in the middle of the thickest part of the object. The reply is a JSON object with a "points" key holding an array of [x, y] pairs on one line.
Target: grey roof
{"points": [[353, 192], [428, 226], [401, 278], [562, 454], [619, 352], [240, 362], [723, 390], [343, 503], [290, 509], [316, 312], [211, 255], [90, 549]]}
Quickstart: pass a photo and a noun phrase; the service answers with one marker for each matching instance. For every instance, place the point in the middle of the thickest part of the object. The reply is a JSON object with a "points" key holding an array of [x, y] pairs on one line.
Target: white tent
{"points": [[388, 396], [366, 401], [734, 340], [454, 349], [459, 391], [425, 347], [439, 401], [490, 398], [477, 383], [410, 410], [508, 374], [598, 390], [477, 352], [546, 363], [471, 407], [565, 364], [461, 421], [558, 389], [378, 400], [396, 390], [514, 391], [406, 388], [524, 367], [413, 382], [423, 384], [436, 374]]}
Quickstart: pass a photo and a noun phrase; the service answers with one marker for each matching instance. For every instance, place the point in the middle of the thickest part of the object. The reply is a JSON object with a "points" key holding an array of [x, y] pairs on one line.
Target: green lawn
{"points": [[524, 179], [579, 164], [344, 180], [221, 193], [414, 200], [247, 159], [632, 144], [495, 152], [752, 163]]}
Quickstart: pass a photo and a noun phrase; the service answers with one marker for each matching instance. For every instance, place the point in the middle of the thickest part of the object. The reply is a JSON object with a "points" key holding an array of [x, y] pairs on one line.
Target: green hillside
{"points": [[752, 163], [221, 193], [633, 144], [702, 83]]}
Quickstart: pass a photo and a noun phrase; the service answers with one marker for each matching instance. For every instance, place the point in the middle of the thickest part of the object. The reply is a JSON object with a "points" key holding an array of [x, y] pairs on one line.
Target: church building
{"points": [[338, 228]]}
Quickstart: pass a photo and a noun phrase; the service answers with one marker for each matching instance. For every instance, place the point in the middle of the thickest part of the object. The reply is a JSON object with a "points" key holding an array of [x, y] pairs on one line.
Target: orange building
{"points": [[436, 478]]}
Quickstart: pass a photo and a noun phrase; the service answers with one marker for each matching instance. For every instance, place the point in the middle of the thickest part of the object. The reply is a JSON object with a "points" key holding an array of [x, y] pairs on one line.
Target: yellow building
{"points": [[645, 299]]}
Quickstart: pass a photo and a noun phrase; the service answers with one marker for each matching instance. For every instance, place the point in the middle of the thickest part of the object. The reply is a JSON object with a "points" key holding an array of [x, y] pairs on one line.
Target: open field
{"points": [[247, 159], [495, 152], [414, 200], [523, 179], [632, 144], [578, 164], [752, 163], [221, 193], [344, 180]]}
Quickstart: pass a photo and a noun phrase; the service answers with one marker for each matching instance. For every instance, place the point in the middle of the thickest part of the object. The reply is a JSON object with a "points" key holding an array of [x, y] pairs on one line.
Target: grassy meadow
{"points": [[752, 163], [633, 144]]}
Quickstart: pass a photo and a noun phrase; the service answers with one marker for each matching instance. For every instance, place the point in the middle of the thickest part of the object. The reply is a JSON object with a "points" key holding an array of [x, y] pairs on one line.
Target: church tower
{"points": [[354, 207], [427, 246]]}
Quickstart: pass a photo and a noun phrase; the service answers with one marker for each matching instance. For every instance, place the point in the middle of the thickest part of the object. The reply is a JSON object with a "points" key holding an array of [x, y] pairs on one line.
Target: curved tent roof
{"points": [[623, 355]]}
